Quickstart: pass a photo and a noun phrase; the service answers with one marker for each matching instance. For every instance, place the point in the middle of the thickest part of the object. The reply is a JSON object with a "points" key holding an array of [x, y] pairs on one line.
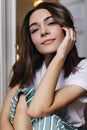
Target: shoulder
{"points": [[81, 68], [82, 64], [78, 78]]}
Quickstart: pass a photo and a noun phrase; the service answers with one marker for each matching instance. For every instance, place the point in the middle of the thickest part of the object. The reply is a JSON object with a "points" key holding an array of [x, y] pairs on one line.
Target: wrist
{"points": [[61, 55]]}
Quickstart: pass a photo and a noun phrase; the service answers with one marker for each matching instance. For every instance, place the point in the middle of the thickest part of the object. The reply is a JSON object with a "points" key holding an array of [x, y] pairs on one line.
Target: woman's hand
{"points": [[68, 42]]}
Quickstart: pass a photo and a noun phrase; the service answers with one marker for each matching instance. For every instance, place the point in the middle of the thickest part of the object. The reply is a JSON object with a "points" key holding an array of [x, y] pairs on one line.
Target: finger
{"points": [[71, 34], [67, 32], [75, 36]]}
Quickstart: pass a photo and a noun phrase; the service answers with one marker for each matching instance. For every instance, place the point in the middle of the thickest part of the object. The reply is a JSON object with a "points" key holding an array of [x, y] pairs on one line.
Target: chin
{"points": [[49, 52]]}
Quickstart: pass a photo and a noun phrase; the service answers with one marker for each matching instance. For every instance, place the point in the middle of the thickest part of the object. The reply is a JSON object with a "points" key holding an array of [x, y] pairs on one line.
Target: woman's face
{"points": [[46, 34]]}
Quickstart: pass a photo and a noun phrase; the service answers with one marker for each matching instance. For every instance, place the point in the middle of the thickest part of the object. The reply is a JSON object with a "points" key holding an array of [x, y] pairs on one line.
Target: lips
{"points": [[47, 41]]}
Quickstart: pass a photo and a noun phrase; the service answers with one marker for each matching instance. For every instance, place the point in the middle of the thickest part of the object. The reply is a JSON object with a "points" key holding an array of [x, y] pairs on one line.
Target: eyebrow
{"points": [[44, 20]]}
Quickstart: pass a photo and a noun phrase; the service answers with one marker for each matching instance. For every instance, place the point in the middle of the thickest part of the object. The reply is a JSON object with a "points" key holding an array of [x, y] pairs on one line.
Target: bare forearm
{"points": [[21, 119], [44, 95], [22, 122], [5, 110], [5, 125]]}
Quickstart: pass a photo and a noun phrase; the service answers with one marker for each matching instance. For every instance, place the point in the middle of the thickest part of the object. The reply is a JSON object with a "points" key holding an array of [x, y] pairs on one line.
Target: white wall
{"points": [[2, 51], [7, 43], [79, 10], [10, 35]]}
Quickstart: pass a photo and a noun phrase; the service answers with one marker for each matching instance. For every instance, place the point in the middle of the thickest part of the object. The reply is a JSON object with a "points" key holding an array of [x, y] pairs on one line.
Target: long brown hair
{"points": [[30, 59]]}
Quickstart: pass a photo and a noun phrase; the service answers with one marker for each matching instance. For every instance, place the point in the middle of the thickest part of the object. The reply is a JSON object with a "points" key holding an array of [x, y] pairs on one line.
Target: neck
{"points": [[48, 58]]}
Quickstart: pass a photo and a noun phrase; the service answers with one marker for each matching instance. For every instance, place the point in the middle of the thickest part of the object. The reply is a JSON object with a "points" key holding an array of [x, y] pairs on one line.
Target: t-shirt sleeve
{"points": [[79, 78]]}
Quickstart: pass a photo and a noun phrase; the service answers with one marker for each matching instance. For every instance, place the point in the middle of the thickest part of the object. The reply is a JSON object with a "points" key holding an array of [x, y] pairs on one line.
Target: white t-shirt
{"points": [[74, 113]]}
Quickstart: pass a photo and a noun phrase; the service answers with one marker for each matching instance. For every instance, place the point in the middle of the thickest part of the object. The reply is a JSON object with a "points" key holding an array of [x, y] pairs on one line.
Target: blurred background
{"points": [[12, 13]]}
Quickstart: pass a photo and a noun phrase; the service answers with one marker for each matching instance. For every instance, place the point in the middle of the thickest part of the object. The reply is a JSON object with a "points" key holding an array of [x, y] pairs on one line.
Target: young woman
{"points": [[48, 62]]}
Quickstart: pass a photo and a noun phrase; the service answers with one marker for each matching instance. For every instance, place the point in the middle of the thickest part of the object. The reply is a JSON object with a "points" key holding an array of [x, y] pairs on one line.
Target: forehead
{"points": [[39, 15]]}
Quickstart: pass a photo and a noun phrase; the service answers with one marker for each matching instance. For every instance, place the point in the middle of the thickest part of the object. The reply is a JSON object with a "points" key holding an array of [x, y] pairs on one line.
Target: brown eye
{"points": [[35, 30], [50, 23]]}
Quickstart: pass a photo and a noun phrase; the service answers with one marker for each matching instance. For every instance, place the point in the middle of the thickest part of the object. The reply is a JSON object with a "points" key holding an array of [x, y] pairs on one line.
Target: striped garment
{"points": [[52, 122]]}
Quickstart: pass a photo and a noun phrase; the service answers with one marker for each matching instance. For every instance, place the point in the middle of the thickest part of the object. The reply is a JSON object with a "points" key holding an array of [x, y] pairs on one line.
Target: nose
{"points": [[44, 30]]}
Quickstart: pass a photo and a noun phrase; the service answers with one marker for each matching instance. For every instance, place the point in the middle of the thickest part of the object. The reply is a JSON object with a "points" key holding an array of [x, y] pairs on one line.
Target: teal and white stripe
{"points": [[52, 122]]}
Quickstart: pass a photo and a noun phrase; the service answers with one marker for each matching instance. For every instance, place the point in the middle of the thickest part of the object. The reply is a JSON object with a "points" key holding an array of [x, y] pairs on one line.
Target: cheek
{"points": [[35, 40], [60, 35]]}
